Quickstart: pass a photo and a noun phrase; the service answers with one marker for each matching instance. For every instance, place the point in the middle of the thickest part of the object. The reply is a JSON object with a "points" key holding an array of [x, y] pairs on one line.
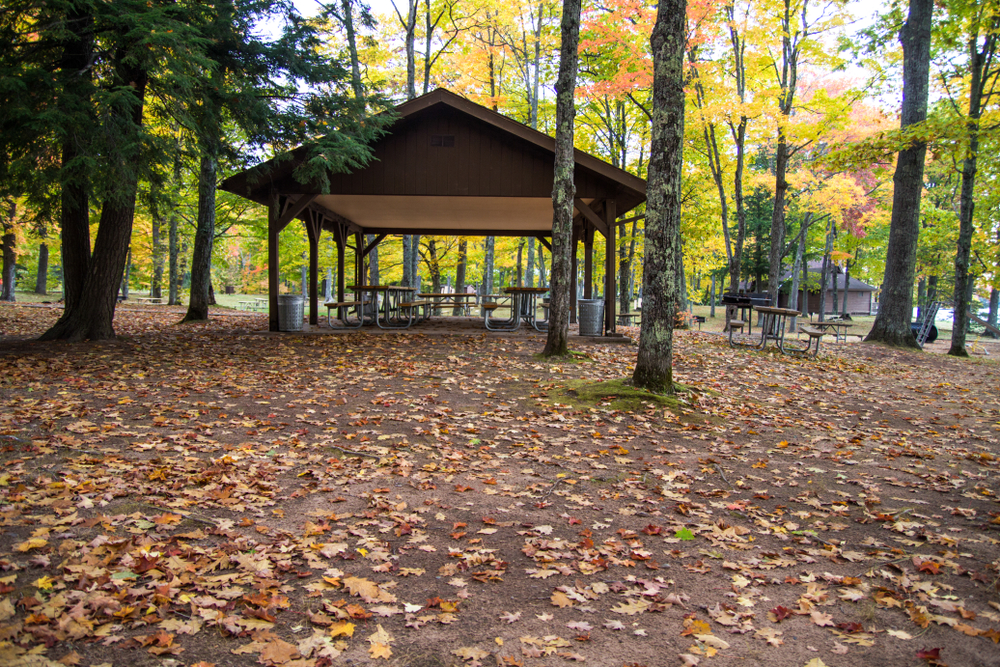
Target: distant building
{"points": [[860, 295]]}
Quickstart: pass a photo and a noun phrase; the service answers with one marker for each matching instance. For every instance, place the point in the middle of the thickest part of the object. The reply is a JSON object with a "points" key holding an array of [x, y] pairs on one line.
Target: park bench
{"points": [[735, 325], [815, 336]]}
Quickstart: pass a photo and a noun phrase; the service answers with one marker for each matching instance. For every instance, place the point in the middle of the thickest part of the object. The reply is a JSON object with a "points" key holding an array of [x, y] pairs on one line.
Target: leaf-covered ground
{"points": [[191, 495]]}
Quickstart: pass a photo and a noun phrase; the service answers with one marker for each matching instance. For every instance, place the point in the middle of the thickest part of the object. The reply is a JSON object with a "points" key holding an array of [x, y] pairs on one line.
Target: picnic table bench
{"points": [[149, 300], [461, 300], [629, 319]]}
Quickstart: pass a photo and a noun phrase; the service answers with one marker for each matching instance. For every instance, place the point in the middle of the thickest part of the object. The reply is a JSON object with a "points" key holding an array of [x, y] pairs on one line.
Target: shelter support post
{"points": [[588, 262], [359, 258], [573, 271], [273, 229], [338, 236], [610, 270], [314, 228]]}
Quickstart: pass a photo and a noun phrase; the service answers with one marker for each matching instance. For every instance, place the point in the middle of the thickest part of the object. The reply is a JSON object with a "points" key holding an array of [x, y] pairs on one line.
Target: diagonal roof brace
{"points": [[591, 217]]}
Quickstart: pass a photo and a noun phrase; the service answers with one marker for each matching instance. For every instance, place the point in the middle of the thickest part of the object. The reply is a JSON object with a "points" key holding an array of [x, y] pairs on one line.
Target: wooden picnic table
{"points": [[772, 327], [839, 327], [149, 300], [524, 306], [394, 310], [451, 300]]}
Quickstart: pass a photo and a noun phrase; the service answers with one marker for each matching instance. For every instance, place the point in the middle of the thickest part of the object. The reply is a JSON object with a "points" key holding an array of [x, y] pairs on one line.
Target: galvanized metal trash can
{"points": [[591, 317], [290, 312]]}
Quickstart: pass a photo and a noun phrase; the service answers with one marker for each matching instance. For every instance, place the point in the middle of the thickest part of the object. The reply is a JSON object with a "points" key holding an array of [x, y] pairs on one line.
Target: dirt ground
{"points": [[207, 495]]}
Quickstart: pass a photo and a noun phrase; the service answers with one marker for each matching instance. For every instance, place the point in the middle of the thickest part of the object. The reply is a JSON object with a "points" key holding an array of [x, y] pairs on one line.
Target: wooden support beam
{"points": [[545, 242], [293, 209], [631, 218], [588, 262], [314, 228], [359, 260], [591, 217], [273, 230], [573, 271], [610, 269], [374, 244]]}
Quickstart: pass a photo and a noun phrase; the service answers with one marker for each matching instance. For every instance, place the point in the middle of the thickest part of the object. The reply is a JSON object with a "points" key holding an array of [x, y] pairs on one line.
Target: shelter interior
{"points": [[446, 166]]}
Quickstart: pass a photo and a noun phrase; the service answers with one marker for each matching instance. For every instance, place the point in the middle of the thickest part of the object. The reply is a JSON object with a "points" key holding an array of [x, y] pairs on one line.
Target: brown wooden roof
{"points": [[450, 166]]}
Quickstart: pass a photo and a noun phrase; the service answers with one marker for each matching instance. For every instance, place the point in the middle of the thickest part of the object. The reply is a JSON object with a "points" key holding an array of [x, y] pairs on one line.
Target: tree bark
{"points": [[663, 268], [488, 254], [201, 259], [9, 252], [994, 307], [352, 48], [127, 275], [42, 277], [980, 73], [563, 186], [75, 68], [824, 274], [173, 278], [847, 286], [460, 269], [93, 315], [892, 324]]}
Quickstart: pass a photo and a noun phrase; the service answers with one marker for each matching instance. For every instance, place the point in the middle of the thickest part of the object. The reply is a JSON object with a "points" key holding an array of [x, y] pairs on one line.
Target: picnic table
{"points": [[149, 300], [459, 300], [524, 308], [839, 327], [393, 304], [772, 327]]}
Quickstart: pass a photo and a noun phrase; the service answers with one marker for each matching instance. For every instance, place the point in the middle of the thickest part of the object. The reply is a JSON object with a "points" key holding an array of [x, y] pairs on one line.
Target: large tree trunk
{"points": [[530, 281], [563, 185], [847, 286], [93, 316], [892, 324], [663, 269], [201, 259], [74, 200], [42, 277], [824, 274], [778, 217], [980, 71], [9, 252], [373, 270], [488, 257], [793, 291], [128, 274]]}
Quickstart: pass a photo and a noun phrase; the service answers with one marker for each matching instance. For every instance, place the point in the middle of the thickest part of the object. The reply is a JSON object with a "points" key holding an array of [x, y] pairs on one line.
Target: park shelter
{"points": [[446, 166]]}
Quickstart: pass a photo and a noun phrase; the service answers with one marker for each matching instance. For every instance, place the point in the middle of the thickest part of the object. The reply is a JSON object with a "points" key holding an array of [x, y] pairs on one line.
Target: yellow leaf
{"points": [[815, 662], [33, 543], [44, 583], [380, 651], [559, 599], [342, 628]]}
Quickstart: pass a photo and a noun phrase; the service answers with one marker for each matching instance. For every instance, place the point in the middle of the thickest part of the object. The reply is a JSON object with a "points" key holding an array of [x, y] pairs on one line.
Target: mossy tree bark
{"points": [[563, 185], [662, 270]]}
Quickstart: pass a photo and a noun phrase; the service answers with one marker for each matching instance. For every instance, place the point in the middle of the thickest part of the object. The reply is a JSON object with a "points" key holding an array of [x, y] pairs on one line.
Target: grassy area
{"points": [[222, 300]]}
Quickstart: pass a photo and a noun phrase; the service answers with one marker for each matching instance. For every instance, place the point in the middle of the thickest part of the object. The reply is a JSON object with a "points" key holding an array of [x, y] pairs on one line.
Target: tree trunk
{"points": [[711, 311], [488, 265], [156, 220], [836, 291], [9, 252], [563, 187], [520, 263], [793, 291], [994, 307], [74, 200], [128, 274], [93, 315], [663, 268], [980, 72], [824, 276], [921, 297], [352, 48], [531, 262], [805, 282], [201, 259], [42, 277], [373, 270], [778, 217], [460, 269], [173, 278], [847, 286], [892, 324]]}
